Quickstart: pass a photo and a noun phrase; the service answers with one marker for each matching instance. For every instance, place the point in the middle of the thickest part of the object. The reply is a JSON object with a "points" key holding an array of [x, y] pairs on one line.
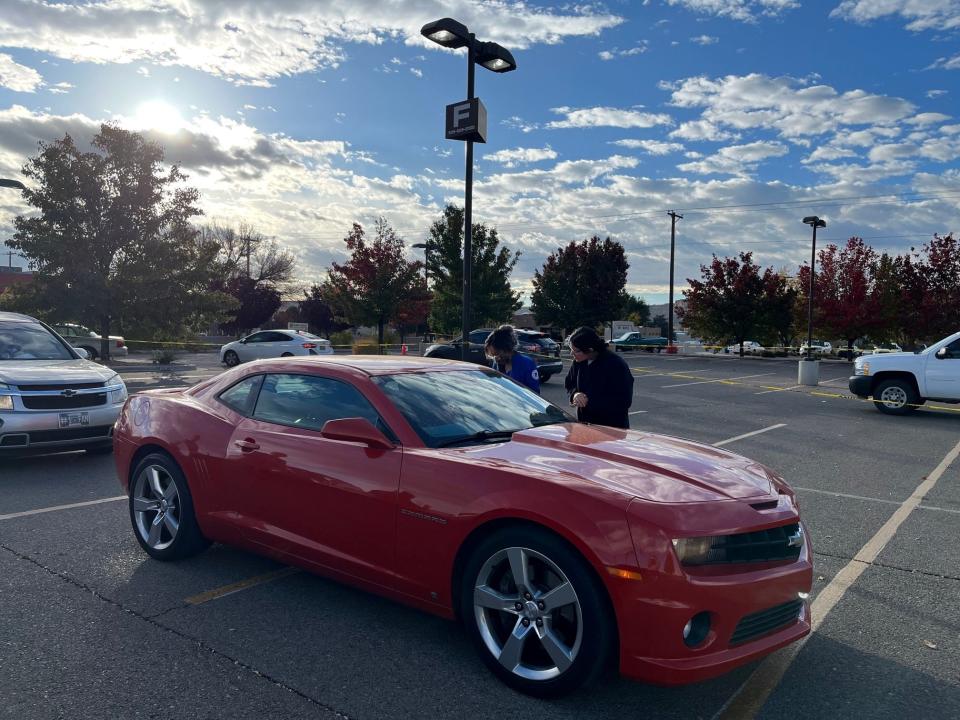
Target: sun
{"points": [[158, 115]]}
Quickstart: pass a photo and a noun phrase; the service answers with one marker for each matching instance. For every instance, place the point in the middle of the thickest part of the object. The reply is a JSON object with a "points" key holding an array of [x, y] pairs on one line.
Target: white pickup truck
{"points": [[901, 382]]}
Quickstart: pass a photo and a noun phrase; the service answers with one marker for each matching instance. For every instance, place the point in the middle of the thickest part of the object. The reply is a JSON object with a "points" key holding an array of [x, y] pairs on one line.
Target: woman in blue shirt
{"points": [[501, 348]]}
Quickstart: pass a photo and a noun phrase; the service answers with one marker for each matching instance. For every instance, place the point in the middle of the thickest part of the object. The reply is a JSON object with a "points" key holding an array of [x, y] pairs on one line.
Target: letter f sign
{"points": [[460, 112]]}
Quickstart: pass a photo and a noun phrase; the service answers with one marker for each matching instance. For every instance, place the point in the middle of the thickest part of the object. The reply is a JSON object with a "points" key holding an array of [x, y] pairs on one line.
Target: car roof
{"points": [[366, 364], [16, 317]]}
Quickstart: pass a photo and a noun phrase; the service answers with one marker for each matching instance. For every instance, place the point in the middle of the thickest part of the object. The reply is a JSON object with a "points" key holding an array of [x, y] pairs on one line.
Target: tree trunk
{"points": [[380, 324]]}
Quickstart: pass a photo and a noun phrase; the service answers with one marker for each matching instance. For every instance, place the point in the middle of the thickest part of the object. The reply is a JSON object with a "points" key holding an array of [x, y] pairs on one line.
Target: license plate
{"points": [[72, 419]]}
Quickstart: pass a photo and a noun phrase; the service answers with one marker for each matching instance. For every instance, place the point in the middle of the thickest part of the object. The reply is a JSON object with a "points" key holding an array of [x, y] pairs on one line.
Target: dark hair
{"points": [[586, 340], [504, 338]]}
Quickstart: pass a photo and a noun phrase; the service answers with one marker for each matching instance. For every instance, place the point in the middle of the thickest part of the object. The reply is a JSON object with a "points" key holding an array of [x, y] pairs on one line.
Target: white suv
{"points": [[51, 398]]}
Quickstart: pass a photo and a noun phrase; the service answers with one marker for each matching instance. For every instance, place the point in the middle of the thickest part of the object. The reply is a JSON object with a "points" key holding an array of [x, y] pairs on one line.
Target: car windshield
{"points": [[445, 407], [30, 341]]}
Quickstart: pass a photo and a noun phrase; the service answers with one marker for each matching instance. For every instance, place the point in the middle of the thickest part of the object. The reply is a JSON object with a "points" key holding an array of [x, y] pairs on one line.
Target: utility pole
{"points": [[248, 256], [673, 235]]}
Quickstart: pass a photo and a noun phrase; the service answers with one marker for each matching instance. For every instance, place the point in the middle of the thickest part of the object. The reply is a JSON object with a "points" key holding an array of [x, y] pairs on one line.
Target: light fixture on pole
{"points": [[467, 121], [426, 259], [814, 222]]}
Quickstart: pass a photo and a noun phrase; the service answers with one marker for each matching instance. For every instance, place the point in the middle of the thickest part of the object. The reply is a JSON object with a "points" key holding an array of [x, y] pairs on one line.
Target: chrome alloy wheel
{"points": [[528, 613], [156, 507], [894, 397]]}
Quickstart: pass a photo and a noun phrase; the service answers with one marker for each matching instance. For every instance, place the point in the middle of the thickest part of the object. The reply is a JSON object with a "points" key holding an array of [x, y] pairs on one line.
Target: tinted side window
{"points": [[307, 401], [257, 337], [277, 337], [243, 395], [953, 349], [479, 336]]}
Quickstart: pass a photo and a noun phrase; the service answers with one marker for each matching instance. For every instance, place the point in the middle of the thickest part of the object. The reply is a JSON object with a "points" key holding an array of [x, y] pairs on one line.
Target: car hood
{"points": [[657, 468], [39, 372]]}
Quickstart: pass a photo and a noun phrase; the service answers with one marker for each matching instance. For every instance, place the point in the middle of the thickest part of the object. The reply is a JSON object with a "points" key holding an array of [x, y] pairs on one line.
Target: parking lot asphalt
{"points": [[91, 627]]}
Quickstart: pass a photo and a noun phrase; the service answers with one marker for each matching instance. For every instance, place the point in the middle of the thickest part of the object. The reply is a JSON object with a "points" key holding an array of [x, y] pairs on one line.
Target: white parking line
{"points": [[704, 382], [637, 412], [747, 702], [54, 508], [872, 499], [749, 434]]}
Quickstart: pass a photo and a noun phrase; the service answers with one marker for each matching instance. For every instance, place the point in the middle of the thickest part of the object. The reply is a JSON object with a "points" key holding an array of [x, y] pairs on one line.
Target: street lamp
{"points": [[814, 222], [426, 259], [452, 34], [12, 184]]}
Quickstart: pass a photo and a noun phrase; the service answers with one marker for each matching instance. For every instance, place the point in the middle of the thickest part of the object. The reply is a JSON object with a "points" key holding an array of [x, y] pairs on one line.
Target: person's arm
{"points": [[533, 377], [570, 381], [615, 393]]}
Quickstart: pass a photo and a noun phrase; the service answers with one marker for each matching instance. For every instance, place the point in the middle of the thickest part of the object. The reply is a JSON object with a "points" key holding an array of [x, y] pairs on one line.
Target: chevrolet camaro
{"points": [[564, 548]]}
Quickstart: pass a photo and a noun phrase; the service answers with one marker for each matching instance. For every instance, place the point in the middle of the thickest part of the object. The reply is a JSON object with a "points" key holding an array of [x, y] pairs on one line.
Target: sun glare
{"points": [[158, 115]]}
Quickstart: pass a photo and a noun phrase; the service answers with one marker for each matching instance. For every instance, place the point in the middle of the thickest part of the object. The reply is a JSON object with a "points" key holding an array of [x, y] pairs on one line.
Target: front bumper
{"points": [[40, 431], [653, 612], [861, 385]]}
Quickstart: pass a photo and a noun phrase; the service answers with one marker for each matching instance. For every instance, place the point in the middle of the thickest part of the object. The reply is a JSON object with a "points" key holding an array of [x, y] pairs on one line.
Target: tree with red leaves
{"points": [[844, 304], [727, 303], [378, 283]]}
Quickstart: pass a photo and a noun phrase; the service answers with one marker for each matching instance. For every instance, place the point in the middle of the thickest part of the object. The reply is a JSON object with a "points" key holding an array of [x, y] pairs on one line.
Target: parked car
{"points": [[51, 398], [820, 347], [272, 344], [899, 383], [563, 547], [636, 341], [537, 345], [883, 348], [80, 337], [749, 348]]}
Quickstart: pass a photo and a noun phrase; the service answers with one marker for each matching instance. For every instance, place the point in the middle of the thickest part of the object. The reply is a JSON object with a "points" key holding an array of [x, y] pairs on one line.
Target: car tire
{"points": [[161, 510], [896, 397], [231, 359], [539, 650], [545, 378], [287, 354], [91, 353]]}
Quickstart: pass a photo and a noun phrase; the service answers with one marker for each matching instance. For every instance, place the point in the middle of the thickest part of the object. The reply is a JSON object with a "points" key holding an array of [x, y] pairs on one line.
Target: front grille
{"points": [[77, 433], [59, 402], [766, 621], [760, 546], [60, 386]]}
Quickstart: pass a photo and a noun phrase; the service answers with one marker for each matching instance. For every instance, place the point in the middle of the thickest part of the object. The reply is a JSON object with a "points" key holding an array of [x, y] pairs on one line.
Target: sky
{"points": [[301, 117]]}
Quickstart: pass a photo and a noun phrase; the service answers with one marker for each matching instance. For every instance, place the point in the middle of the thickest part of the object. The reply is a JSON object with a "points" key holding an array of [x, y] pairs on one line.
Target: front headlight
{"points": [[693, 550], [6, 401], [117, 396], [863, 368]]}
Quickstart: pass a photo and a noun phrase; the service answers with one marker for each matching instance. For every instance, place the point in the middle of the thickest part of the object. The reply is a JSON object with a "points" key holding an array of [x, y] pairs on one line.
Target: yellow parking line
{"points": [[220, 592]]}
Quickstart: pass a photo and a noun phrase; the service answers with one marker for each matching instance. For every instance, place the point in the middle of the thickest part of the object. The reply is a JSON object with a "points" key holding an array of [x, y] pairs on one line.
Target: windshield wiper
{"points": [[480, 437]]}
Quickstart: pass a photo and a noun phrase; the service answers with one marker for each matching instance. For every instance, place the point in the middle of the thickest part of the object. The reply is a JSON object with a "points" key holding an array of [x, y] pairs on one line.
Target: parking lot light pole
{"points": [[814, 222], [449, 33], [426, 260]]}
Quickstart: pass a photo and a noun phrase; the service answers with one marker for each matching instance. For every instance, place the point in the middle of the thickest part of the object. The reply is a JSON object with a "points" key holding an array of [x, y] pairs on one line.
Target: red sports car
{"points": [[562, 547]]}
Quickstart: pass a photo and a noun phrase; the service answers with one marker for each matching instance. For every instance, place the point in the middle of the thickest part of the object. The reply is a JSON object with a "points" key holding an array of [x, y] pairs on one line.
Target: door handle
{"points": [[247, 445]]}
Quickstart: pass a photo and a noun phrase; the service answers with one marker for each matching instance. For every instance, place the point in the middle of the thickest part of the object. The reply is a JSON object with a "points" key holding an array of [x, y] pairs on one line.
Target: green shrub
{"points": [[164, 356], [341, 339], [366, 347]]}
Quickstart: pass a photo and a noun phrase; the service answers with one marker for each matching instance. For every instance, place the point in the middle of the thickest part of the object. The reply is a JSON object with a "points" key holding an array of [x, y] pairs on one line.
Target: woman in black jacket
{"points": [[599, 382]]}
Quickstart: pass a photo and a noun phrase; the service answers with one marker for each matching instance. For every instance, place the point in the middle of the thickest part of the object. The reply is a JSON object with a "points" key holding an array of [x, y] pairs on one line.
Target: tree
{"points": [[318, 313], [843, 298], [492, 301], [777, 307], [660, 321], [727, 302], [258, 303], [581, 284], [112, 237], [940, 268], [636, 310], [377, 282], [245, 251]]}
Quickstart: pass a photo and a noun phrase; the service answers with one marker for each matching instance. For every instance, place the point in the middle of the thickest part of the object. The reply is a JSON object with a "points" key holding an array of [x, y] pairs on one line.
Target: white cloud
{"points": [[250, 42], [705, 40], [927, 118], [935, 93], [653, 147], [143, 70], [701, 130], [517, 156], [616, 52], [17, 77], [945, 63], [417, 72], [920, 14], [61, 88], [606, 117], [745, 10], [736, 159], [788, 105]]}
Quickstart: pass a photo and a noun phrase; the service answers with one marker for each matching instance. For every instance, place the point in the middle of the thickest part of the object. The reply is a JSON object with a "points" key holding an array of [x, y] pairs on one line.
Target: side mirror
{"points": [[358, 430], [943, 354], [243, 341], [82, 353]]}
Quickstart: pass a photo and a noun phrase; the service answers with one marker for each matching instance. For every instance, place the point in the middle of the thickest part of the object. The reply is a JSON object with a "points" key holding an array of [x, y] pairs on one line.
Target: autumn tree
{"points": [[319, 314], [377, 282], [777, 307], [581, 284], [112, 236], [938, 273], [727, 302], [257, 304], [492, 300]]}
